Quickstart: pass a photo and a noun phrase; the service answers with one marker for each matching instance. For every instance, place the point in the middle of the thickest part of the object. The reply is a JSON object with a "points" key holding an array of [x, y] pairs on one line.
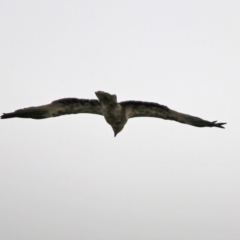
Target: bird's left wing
{"points": [[149, 109], [57, 108]]}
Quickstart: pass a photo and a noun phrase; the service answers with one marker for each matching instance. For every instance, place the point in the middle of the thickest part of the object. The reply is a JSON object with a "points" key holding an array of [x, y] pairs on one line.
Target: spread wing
{"points": [[57, 108], [149, 109]]}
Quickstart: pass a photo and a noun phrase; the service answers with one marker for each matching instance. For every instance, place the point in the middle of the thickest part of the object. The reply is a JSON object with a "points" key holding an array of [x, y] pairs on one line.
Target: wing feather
{"points": [[57, 108], [150, 109]]}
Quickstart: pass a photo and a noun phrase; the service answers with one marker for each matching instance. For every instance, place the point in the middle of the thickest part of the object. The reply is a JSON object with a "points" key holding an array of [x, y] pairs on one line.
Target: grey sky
{"points": [[68, 177]]}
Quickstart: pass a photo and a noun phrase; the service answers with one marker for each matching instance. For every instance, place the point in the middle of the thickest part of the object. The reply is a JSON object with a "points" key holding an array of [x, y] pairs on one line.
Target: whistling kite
{"points": [[116, 114]]}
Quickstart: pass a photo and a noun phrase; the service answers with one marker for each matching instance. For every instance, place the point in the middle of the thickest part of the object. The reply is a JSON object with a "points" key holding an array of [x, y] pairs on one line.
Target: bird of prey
{"points": [[116, 114]]}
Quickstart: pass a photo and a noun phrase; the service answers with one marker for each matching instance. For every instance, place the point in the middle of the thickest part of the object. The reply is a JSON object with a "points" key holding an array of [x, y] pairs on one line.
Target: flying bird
{"points": [[116, 114]]}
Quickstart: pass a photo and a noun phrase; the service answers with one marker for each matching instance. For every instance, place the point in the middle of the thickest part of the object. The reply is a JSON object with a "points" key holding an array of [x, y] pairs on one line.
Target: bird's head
{"points": [[117, 130]]}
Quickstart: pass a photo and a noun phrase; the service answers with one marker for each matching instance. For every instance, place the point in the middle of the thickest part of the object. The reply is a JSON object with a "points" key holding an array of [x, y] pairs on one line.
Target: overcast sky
{"points": [[68, 177]]}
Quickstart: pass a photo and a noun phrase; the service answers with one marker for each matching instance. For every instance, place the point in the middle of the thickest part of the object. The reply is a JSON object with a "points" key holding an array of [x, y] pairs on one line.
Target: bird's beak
{"points": [[115, 132]]}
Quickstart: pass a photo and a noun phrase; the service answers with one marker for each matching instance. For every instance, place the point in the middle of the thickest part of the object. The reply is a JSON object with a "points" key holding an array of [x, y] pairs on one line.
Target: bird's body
{"points": [[116, 114], [113, 112]]}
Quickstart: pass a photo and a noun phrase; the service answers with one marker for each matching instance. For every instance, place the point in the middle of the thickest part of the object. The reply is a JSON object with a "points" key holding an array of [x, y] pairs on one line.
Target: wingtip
{"points": [[219, 125], [6, 115]]}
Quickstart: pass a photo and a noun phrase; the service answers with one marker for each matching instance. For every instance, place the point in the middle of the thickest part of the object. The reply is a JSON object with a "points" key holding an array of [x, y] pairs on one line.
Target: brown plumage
{"points": [[116, 114]]}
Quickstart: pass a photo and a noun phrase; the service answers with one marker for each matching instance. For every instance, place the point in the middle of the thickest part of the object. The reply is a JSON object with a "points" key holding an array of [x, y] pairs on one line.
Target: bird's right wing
{"points": [[57, 108], [150, 109]]}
